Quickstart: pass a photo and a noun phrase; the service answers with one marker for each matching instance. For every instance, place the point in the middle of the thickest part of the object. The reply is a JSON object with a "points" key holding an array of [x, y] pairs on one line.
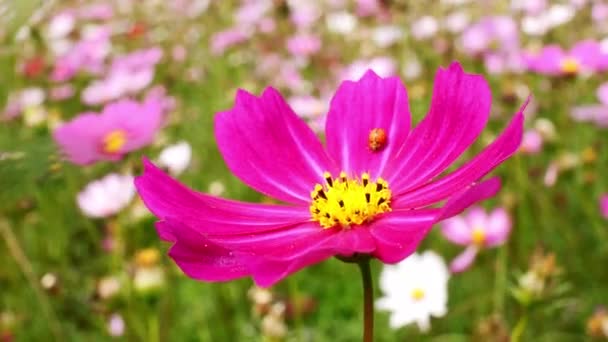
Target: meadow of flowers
{"points": [[199, 170]]}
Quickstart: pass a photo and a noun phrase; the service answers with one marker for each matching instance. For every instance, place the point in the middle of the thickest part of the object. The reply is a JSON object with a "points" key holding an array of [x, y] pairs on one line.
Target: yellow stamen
{"points": [[478, 236], [114, 141], [345, 202], [570, 65], [417, 294]]}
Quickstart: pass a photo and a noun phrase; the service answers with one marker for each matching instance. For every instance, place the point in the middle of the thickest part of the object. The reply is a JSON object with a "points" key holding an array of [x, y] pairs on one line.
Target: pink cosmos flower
{"points": [[303, 44], [495, 40], [604, 205], [221, 41], [476, 230], [373, 189], [128, 74], [121, 127], [532, 142], [596, 113], [585, 56], [88, 54]]}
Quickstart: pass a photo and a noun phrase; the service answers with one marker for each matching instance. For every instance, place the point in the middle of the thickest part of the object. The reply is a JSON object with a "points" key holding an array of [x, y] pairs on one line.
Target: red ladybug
{"points": [[377, 139]]}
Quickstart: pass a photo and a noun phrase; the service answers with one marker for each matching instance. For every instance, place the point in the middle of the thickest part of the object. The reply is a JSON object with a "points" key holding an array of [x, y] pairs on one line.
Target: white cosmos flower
{"points": [[106, 196], [414, 290], [176, 158]]}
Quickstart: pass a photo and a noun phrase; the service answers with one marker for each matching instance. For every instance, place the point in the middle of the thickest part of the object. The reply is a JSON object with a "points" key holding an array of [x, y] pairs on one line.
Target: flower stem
{"points": [[368, 300]]}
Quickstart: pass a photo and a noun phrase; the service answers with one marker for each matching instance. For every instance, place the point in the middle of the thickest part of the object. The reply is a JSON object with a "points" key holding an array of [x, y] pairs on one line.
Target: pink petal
{"points": [[208, 215], [469, 196], [399, 233], [459, 110], [141, 121], [476, 217], [604, 205], [275, 255], [356, 109], [79, 138], [548, 61], [498, 228], [502, 148], [457, 230], [270, 148], [463, 261], [588, 53], [199, 258]]}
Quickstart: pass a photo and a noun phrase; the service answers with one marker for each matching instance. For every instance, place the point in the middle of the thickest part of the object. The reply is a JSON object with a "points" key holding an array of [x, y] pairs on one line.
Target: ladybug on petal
{"points": [[377, 139]]}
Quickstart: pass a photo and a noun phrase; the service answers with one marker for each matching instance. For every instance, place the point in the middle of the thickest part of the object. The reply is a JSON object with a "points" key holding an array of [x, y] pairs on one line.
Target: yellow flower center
{"points": [[570, 65], [114, 141], [478, 236], [343, 201], [417, 294]]}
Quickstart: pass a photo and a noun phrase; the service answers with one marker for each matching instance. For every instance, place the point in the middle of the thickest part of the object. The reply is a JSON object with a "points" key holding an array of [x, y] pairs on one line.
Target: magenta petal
{"points": [[465, 198], [459, 111], [268, 272], [356, 109], [270, 148], [463, 261], [399, 232], [502, 148], [167, 198], [199, 258]]}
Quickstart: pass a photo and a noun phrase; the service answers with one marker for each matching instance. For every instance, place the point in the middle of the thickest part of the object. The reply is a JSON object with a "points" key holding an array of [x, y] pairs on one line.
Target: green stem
{"points": [[519, 328], [15, 250], [368, 300]]}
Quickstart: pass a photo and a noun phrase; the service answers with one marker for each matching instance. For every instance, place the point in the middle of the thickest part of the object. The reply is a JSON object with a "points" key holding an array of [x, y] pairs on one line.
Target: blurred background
{"points": [[81, 260]]}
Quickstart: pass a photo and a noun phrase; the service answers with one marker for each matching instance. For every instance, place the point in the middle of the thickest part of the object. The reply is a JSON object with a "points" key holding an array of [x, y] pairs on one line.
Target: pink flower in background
{"points": [[128, 74], [61, 92], [98, 11], [604, 205], [303, 44], [88, 55], [490, 33], [476, 230], [532, 142], [595, 113], [585, 56], [121, 127], [107, 196], [496, 41], [383, 66], [304, 14], [223, 40], [373, 189]]}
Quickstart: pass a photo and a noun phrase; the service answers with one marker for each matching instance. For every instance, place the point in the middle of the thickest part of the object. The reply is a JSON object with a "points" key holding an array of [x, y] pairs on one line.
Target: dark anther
{"points": [[341, 203], [330, 181], [327, 215], [382, 200], [321, 194], [367, 197], [379, 186], [365, 180]]}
